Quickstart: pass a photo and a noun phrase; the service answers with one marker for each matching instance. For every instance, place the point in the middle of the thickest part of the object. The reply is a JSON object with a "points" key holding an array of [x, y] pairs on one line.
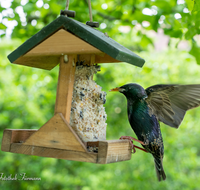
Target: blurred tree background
{"points": [[164, 32]]}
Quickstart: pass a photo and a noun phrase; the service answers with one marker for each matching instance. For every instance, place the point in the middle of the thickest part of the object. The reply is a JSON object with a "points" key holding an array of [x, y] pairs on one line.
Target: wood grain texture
{"points": [[110, 151], [62, 42], [102, 152], [15, 136], [113, 151], [41, 62], [6, 140], [105, 58], [86, 59], [65, 86], [92, 59], [53, 153], [50, 61], [56, 133], [21, 135]]}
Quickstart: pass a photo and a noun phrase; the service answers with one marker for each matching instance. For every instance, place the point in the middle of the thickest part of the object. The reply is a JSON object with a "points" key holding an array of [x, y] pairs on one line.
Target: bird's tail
{"points": [[159, 167]]}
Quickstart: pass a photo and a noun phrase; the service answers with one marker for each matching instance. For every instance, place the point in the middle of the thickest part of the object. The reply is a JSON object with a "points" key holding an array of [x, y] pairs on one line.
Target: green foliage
{"points": [[27, 102], [195, 51]]}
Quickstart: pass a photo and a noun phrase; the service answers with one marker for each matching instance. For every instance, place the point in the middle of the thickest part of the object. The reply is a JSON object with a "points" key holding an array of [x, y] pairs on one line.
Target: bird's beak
{"points": [[114, 89]]}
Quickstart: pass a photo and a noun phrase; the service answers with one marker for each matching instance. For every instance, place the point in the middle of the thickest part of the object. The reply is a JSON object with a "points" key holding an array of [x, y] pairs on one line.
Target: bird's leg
{"points": [[140, 148], [132, 145], [131, 138]]}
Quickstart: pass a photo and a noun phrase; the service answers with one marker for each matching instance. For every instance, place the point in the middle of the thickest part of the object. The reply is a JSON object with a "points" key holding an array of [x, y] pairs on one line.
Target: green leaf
{"points": [[2, 35], [190, 33], [2, 26], [145, 41], [190, 4], [195, 51], [173, 33], [196, 6], [28, 7]]}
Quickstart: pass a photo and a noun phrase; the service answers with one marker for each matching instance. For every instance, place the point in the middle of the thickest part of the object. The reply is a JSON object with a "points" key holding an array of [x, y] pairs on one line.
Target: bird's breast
{"points": [[146, 127]]}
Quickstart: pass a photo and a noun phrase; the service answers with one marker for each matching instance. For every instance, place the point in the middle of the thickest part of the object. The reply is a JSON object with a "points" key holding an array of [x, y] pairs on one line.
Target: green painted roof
{"points": [[86, 33]]}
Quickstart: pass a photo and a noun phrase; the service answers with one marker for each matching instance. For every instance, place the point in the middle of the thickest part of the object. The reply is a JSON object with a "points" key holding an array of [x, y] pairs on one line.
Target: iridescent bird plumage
{"points": [[165, 103]]}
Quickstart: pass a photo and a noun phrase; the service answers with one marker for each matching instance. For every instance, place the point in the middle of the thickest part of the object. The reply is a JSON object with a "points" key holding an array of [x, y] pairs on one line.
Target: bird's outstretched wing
{"points": [[170, 102]]}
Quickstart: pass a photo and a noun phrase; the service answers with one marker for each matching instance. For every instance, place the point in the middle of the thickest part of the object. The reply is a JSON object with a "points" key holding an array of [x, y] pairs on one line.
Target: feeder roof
{"points": [[70, 36]]}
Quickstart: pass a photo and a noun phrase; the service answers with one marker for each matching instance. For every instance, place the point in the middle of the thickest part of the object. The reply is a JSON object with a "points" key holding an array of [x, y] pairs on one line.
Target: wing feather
{"points": [[170, 102]]}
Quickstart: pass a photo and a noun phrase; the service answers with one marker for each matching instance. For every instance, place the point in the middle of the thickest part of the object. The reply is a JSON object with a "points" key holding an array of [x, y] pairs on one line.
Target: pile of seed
{"points": [[88, 116]]}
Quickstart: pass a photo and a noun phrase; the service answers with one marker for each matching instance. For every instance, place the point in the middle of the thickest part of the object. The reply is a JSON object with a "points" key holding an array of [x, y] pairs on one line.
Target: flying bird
{"points": [[146, 107]]}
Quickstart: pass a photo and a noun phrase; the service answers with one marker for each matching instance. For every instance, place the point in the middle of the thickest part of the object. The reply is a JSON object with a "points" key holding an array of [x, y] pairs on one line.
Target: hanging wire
{"points": [[67, 5], [90, 10]]}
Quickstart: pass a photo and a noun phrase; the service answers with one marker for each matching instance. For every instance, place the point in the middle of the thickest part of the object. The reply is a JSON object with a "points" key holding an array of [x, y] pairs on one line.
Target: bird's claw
{"points": [[132, 145], [131, 138]]}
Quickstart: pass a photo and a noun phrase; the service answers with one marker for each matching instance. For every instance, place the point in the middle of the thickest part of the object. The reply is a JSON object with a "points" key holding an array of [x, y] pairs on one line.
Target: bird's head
{"points": [[132, 91]]}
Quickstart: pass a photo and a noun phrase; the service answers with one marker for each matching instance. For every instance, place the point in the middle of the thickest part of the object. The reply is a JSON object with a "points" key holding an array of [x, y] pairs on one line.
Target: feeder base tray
{"points": [[56, 139]]}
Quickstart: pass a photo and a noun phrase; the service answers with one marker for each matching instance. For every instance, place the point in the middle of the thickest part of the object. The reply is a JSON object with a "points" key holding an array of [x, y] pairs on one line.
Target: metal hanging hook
{"points": [[67, 12]]}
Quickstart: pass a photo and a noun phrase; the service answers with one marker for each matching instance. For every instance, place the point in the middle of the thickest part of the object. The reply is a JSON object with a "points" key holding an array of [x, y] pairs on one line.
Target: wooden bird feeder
{"points": [[64, 41]]}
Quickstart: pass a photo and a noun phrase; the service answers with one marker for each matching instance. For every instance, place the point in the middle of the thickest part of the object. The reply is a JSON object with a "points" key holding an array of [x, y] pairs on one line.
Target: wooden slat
{"points": [[102, 152], [92, 143], [53, 153], [92, 60], [118, 150], [105, 58], [65, 86], [49, 62], [6, 140], [62, 42], [21, 135], [15, 136], [86, 59], [110, 151], [113, 151], [56, 133], [41, 62]]}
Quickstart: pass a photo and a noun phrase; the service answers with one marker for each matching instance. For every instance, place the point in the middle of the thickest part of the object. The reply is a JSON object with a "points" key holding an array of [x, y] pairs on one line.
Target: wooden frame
{"points": [[67, 41], [50, 144], [56, 138]]}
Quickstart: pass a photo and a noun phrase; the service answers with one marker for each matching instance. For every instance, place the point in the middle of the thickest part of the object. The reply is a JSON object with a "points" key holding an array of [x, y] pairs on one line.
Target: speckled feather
{"points": [[147, 129], [165, 103]]}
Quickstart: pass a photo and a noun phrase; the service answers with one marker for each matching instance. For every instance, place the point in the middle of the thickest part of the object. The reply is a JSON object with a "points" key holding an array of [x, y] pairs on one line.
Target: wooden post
{"points": [[65, 85]]}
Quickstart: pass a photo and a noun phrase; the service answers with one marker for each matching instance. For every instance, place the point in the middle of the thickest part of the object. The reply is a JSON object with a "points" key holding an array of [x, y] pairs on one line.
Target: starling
{"points": [[165, 103]]}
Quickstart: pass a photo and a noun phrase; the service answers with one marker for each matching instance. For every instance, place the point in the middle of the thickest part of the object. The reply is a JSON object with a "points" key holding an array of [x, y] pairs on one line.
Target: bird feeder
{"points": [[67, 41]]}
